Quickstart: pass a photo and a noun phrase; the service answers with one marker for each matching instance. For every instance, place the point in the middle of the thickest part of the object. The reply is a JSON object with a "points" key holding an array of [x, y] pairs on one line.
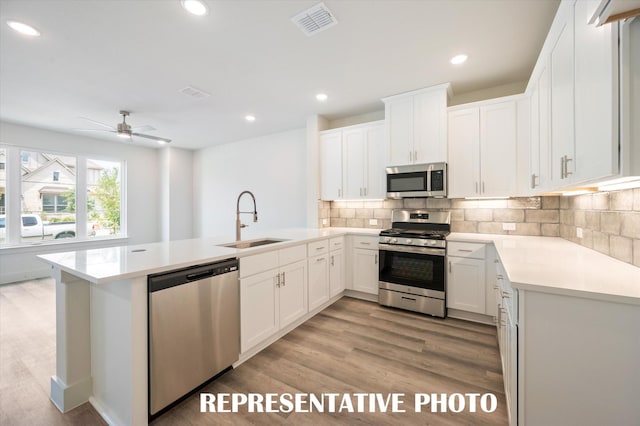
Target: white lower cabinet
{"points": [[507, 327], [318, 280], [466, 279], [336, 267], [466, 289], [364, 264], [271, 298], [365, 270]]}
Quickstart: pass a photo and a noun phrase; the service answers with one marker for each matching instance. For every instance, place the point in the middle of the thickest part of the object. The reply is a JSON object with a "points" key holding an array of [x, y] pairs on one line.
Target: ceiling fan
{"points": [[124, 130]]}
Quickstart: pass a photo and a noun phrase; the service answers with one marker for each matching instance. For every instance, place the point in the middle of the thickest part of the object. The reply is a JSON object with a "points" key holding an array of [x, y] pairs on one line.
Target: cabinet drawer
{"points": [[318, 247], [252, 265], [336, 243], [360, 241], [292, 254], [472, 250]]}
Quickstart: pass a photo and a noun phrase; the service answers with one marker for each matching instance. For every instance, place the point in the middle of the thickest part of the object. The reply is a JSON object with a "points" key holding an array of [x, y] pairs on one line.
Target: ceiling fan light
{"points": [[194, 7], [124, 135]]}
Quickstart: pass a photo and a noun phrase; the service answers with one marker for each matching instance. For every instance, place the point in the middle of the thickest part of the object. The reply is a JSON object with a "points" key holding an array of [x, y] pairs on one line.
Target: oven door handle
{"points": [[411, 249]]}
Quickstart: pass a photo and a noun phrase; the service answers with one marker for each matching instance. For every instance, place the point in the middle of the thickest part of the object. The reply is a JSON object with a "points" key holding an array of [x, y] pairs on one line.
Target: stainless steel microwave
{"points": [[417, 180]]}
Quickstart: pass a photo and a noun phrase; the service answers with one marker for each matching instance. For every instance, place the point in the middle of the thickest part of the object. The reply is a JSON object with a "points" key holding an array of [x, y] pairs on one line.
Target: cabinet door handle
{"points": [[562, 176], [361, 192], [483, 187], [533, 180], [283, 279], [415, 155], [365, 191], [449, 266], [320, 259], [331, 260], [376, 260], [365, 243], [410, 156], [476, 187], [566, 166], [320, 248], [277, 280]]}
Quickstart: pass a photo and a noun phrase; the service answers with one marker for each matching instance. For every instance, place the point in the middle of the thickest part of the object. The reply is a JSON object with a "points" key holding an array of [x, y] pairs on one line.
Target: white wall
{"points": [[142, 191], [273, 167]]}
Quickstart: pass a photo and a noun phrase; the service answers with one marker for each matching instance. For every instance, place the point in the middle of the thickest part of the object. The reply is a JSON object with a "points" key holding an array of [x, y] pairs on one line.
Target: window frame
{"points": [[13, 195]]}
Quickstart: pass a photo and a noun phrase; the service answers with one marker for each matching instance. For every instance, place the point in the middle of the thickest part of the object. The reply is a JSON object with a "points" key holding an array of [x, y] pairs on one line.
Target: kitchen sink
{"points": [[252, 243]]}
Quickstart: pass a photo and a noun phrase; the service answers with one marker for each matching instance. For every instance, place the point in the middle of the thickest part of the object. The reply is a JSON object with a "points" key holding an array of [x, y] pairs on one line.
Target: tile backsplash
{"points": [[609, 221]]}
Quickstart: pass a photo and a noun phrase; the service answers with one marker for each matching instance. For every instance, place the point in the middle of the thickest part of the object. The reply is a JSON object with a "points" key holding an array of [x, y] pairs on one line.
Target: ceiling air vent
{"points": [[315, 20], [194, 92]]}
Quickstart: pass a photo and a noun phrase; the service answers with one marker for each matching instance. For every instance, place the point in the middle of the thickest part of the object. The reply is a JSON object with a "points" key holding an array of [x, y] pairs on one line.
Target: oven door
{"points": [[415, 270]]}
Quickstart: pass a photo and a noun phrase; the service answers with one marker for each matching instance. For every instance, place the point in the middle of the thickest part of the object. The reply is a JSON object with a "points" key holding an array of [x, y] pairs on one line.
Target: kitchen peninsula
{"points": [[101, 314]]}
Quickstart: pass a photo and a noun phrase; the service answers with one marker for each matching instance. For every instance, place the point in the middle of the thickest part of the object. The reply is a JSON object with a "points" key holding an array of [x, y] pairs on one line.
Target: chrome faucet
{"points": [[240, 225]]}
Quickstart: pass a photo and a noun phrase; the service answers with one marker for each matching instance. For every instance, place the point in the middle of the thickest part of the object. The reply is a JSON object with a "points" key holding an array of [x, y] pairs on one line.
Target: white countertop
{"points": [[109, 264], [544, 264], [555, 265]]}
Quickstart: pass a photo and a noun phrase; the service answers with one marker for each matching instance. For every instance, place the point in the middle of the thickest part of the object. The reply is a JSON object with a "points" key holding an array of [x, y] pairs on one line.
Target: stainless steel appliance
{"points": [[412, 261], [417, 180], [194, 329]]}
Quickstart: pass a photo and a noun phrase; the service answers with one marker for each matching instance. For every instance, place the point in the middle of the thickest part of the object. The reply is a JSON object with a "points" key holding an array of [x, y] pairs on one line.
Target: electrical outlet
{"points": [[325, 221], [579, 232], [508, 226], [373, 221]]}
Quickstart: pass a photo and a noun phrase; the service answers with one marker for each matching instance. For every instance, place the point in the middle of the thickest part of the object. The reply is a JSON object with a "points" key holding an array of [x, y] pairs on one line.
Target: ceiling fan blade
{"points": [[99, 123], [156, 138], [145, 128], [95, 130]]}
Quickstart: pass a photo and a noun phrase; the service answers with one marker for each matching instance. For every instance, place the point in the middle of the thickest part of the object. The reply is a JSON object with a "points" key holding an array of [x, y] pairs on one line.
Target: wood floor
{"points": [[353, 346]]}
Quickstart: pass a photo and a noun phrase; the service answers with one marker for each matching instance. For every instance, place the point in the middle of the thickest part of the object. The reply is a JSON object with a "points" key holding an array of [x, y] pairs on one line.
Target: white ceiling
{"points": [[96, 57]]}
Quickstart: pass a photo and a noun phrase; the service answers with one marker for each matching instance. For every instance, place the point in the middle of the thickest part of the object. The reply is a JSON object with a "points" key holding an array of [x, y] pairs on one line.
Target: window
{"points": [[49, 201], [104, 197], [54, 203], [48, 190]]}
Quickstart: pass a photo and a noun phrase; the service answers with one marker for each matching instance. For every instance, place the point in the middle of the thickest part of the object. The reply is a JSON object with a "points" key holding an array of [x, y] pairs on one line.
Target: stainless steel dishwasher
{"points": [[194, 329]]}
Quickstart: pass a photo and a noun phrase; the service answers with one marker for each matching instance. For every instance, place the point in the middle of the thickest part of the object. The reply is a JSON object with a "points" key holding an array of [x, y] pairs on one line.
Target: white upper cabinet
{"points": [[539, 178], [363, 162], [562, 101], [331, 165], [575, 103], [596, 129], [352, 162], [417, 126], [483, 147]]}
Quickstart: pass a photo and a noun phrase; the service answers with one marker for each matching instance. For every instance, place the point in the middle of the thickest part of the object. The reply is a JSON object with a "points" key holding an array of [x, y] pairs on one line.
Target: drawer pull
{"points": [[409, 299], [320, 259], [364, 243], [466, 250], [320, 248]]}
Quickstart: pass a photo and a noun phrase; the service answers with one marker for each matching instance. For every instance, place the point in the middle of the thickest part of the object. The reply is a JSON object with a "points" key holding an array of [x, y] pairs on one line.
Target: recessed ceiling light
{"points": [[322, 97], [25, 29], [458, 59], [195, 7], [250, 118]]}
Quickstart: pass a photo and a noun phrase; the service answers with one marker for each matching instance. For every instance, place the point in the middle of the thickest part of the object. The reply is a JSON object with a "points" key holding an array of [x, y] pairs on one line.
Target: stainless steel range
{"points": [[412, 261]]}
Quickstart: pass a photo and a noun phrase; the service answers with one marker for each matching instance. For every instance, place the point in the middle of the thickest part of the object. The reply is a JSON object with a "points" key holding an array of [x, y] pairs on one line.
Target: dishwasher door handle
{"points": [[200, 275]]}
